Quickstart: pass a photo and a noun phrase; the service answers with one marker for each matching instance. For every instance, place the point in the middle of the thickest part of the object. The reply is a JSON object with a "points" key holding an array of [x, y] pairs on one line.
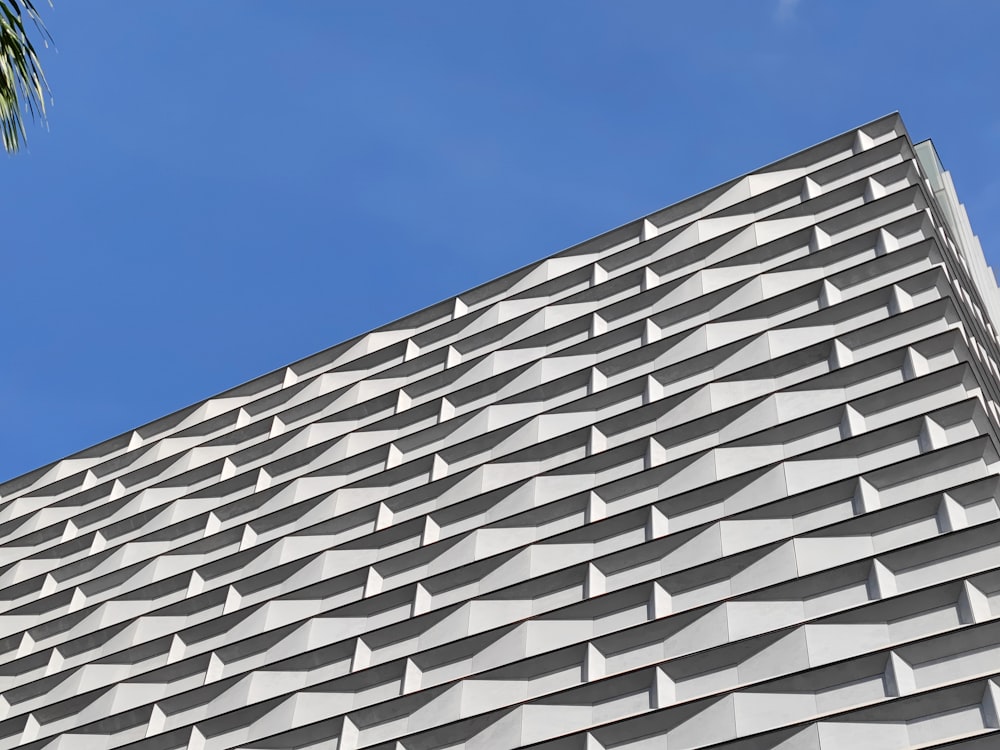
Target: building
{"points": [[725, 477]]}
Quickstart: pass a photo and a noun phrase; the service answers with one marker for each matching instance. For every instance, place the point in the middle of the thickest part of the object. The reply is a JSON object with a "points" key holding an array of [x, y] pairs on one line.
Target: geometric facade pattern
{"points": [[725, 477]]}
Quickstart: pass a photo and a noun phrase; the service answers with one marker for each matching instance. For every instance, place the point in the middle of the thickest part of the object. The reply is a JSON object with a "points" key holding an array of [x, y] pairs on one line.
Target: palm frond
{"points": [[23, 87]]}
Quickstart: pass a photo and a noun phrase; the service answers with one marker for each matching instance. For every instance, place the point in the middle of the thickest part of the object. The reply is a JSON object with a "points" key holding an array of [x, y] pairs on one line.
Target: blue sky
{"points": [[229, 186]]}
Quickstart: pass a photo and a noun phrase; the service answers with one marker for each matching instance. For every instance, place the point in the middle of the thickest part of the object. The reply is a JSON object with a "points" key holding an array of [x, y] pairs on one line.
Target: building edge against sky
{"points": [[726, 476], [660, 221]]}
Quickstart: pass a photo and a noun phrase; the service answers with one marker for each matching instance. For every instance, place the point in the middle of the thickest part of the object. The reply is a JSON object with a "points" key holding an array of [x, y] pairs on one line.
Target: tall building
{"points": [[726, 477]]}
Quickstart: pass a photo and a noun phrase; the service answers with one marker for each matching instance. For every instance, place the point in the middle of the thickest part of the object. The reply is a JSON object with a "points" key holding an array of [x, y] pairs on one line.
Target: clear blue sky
{"points": [[229, 186]]}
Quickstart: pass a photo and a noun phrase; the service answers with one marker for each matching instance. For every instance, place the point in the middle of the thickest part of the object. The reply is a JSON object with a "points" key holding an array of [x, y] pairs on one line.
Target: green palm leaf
{"points": [[22, 83]]}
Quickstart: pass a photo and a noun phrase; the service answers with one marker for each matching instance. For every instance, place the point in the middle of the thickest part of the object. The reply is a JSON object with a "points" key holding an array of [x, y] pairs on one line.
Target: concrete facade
{"points": [[726, 476]]}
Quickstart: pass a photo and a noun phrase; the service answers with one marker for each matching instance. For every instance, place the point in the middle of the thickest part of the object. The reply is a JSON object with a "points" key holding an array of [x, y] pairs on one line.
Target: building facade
{"points": [[726, 477]]}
